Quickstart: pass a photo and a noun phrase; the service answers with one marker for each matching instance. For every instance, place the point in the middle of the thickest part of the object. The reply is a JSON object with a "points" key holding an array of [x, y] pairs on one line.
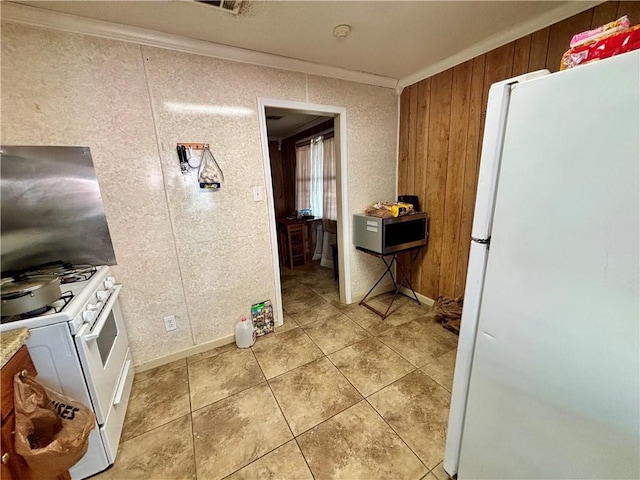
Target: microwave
{"points": [[390, 235]]}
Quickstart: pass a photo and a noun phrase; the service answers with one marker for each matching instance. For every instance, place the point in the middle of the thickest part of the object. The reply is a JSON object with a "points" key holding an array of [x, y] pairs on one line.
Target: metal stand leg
{"points": [[405, 276], [388, 270], [396, 285]]}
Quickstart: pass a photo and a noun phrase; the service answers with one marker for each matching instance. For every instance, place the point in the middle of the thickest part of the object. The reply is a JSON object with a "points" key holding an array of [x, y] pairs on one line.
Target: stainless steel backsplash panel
{"points": [[51, 208]]}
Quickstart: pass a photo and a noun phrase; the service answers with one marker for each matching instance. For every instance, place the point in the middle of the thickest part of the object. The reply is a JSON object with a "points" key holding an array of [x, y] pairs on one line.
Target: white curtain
{"points": [[326, 233], [316, 189], [316, 177], [303, 177], [330, 202]]}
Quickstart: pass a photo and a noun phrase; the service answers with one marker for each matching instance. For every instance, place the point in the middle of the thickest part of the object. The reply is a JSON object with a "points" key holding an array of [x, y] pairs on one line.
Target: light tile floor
{"points": [[335, 393]]}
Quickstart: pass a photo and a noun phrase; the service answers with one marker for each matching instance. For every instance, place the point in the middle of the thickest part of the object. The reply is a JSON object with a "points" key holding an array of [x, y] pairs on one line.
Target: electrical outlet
{"points": [[258, 194], [170, 323]]}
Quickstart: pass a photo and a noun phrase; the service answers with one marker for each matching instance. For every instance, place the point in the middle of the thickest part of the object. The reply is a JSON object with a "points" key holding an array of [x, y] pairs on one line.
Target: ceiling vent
{"points": [[229, 6]]}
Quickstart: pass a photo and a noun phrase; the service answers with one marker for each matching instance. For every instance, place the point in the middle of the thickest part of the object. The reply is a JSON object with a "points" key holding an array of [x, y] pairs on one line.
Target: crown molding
{"points": [[565, 10], [40, 17]]}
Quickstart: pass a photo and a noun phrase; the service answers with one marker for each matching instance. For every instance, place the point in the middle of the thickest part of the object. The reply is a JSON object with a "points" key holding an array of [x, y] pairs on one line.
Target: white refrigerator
{"points": [[547, 377]]}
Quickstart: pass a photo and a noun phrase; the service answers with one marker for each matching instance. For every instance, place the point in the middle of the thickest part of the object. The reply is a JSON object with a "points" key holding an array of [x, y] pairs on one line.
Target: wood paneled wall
{"points": [[441, 128], [280, 194]]}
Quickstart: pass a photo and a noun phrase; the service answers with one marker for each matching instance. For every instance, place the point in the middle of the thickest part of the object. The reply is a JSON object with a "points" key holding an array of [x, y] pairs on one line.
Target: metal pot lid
{"points": [[11, 288]]}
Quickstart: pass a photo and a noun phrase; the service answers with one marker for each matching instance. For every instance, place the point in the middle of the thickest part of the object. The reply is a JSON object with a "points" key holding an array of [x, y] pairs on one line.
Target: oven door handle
{"points": [[103, 316], [122, 383]]}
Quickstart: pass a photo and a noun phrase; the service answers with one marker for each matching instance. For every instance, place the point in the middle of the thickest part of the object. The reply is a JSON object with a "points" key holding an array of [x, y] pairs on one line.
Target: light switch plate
{"points": [[258, 194]]}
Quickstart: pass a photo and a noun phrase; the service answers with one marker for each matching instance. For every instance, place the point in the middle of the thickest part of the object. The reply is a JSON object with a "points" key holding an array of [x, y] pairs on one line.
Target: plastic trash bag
{"points": [[52, 430]]}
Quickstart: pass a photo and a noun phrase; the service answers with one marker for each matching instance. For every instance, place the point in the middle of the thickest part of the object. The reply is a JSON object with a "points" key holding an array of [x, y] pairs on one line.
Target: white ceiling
{"points": [[393, 39], [281, 121]]}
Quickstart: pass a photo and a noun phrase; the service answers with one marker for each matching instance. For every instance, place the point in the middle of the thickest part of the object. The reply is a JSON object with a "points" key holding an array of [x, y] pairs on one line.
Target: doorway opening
{"points": [[304, 150]]}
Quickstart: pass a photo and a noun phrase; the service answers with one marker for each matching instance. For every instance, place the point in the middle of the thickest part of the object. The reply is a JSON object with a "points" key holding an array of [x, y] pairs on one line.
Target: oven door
{"points": [[103, 351]]}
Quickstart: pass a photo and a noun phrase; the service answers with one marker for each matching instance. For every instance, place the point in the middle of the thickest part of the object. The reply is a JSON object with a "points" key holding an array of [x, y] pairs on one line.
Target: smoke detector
{"points": [[228, 6], [342, 31]]}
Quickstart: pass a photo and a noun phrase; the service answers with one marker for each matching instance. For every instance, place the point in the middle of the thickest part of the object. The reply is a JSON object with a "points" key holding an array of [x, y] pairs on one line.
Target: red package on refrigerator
{"points": [[608, 46]]}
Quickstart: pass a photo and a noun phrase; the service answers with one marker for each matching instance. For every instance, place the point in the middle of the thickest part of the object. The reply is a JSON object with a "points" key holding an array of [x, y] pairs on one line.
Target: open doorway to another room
{"points": [[303, 153]]}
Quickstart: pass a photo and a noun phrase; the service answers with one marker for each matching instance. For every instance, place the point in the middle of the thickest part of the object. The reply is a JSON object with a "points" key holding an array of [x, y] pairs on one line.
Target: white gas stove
{"points": [[80, 348]]}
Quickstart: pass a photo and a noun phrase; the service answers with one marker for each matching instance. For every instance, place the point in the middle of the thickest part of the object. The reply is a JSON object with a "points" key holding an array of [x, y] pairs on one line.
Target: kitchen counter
{"points": [[10, 343]]}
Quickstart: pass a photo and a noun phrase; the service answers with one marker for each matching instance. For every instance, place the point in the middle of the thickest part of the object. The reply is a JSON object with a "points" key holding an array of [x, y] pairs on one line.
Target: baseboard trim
{"points": [[389, 288], [379, 290], [203, 347], [426, 300], [187, 352]]}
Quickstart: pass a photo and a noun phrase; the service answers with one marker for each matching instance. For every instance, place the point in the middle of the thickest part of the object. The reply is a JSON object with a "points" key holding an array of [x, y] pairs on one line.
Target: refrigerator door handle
{"points": [[481, 241]]}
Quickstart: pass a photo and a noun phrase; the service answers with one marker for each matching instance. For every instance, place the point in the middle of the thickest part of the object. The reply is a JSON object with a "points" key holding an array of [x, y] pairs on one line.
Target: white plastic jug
{"points": [[245, 336]]}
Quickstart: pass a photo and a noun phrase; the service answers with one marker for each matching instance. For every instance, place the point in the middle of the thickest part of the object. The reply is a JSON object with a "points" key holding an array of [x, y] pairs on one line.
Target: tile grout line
{"points": [[345, 377], [295, 439], [363, 398], [439, 384], [366, 332], [285, 419], [366, 398], [342, 374], [193, 432], [282, 412], [304, 365], [327, 419], [157, 368], [398, 353], [229, 396], [347, 346], [273, 395], [380, 389], [155, 428], [395, 431], [327, 357], [332, 416], [398, 433], [193, 442], [167, 422]]}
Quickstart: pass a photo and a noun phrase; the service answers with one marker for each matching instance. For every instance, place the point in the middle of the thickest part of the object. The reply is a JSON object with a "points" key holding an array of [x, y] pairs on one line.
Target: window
{"points": [[316, 178]]}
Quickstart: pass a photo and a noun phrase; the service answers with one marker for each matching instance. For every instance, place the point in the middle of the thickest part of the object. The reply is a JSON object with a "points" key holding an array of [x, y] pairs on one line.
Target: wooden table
{"points": [[295, 240]]}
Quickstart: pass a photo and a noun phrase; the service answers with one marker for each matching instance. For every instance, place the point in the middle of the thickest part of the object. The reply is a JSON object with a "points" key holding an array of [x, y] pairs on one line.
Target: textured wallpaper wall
{"points": [[202, 256]]}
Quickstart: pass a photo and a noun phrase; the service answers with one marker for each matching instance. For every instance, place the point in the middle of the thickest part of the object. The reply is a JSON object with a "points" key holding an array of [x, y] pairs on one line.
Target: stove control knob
{"points": [[89, 315], [109, 283], [102, 294]]}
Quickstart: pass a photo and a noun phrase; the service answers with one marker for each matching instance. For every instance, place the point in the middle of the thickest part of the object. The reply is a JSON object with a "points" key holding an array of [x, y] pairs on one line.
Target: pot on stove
{"points": [[28, 294]]}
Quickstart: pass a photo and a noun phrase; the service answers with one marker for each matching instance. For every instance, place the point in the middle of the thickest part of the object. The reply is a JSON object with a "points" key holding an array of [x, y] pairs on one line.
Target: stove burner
{"points": [[36, 312], [80, 273], [66, 272], [55, 307]]}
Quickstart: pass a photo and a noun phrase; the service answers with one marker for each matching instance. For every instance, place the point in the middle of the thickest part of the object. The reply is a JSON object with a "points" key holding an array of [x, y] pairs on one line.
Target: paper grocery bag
{"points": [[52, 430]]}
